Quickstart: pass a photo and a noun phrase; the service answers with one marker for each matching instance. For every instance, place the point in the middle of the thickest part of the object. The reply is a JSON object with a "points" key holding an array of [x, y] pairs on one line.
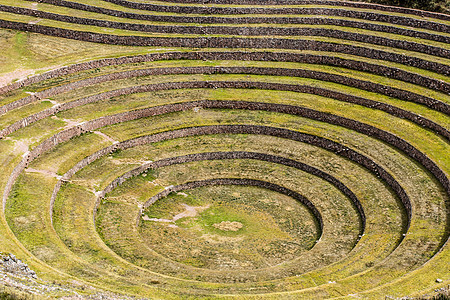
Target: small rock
{"points": [[439, 280]]}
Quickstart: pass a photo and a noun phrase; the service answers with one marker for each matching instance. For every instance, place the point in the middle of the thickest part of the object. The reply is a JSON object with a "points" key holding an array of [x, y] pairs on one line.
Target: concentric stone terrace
{"points": [[255, 149]]}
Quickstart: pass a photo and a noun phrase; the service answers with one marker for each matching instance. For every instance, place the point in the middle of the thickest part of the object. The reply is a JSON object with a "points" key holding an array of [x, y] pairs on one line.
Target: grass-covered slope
{"points": [[173, 150]]}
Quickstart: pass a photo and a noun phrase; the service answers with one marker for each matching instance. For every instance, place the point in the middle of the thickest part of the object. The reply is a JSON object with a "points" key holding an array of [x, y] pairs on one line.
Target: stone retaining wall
{"points": [[238, 31], [284, 133], [241, 155], [230, 104], [211, 10], [340, 79], [248, 129], [335, 147], [237, 181], [405, 21], [375, 6], [229, 42], [245, 56]]}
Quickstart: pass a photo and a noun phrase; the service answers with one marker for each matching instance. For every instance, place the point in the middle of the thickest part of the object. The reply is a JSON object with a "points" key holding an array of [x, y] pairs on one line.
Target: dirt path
{"points": [[45, 172], [21, 146], [190, 211], [106, 137], [70, 122], [19, 74], [51, 101], [34, 21]]}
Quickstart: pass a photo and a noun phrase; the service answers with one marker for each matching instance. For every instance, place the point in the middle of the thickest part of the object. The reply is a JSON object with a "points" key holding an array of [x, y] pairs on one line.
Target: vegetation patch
{"points": [[228, 226], [231, 150], [246, 229]]}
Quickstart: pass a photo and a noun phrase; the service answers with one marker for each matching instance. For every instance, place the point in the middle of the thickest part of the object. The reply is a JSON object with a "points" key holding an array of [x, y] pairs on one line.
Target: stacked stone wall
{"points": [[228, 104], [245, 56], [237, 181], [353, 4], [211, 10], [240, 31], [340, 79], [241, 155], [229, 42], [381, 8], [254, 129]]}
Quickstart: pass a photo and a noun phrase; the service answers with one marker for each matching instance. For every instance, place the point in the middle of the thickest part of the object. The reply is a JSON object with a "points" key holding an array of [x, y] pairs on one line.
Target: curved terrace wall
{"points": [[240, 31], [213, 84], [366, 5], [284, 133], [219, 42], [403, 185], [269, 10], [390, 72], [255, 20], [242, 155]]}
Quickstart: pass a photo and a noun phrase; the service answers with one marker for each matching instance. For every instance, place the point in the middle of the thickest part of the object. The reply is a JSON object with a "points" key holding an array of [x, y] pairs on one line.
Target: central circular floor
{"points": [[229, 227]]}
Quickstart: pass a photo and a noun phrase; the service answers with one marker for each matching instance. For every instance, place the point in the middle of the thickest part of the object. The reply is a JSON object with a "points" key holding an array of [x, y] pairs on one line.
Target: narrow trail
{"points": [[45, 172], [190, 211], [106, 137]]}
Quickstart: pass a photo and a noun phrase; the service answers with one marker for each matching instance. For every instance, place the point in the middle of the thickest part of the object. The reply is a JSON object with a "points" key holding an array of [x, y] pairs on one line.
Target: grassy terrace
{"points": [[120, 32], [108, 5], [111, 85], [98, 16], [119, 156], [69, 214]]}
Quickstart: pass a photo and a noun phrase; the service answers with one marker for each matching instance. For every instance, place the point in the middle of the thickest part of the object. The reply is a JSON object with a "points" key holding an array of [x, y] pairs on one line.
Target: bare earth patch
{"points": [[190, 211], [18, 74], [228, 226], [45, 172]]}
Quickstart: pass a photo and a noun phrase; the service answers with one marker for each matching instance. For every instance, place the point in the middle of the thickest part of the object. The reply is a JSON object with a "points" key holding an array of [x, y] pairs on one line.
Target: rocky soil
{"points": [[16, 275]]}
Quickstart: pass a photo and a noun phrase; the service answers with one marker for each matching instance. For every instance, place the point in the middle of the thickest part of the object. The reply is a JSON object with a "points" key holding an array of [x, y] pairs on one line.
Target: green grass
{"points": [[37, 132], [187, 63], [260, 223], [13, 296], [274, 255], [26, 19], [77, 13], [132, 190], [41, 57], [64, 156], [24, 112], [118, 7], [241, 116]]}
